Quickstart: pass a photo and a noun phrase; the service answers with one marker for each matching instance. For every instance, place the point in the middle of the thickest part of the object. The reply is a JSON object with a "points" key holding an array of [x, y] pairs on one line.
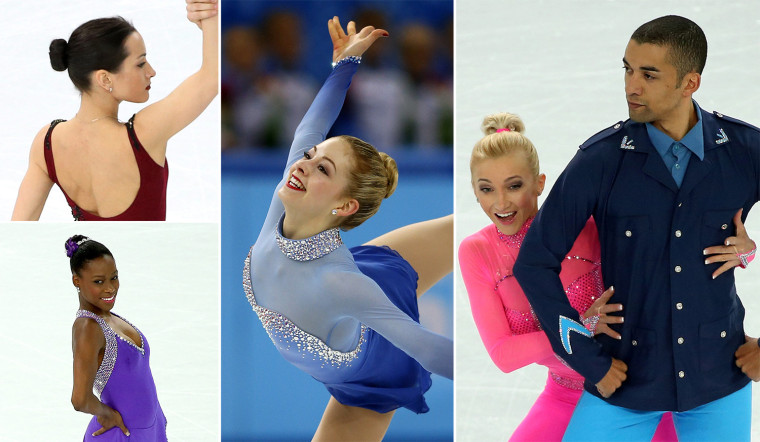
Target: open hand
{"points": [[346, 44], [109, 420], [741, 243], [748, 358], [601, 308], [613, 379], [198, 10]]}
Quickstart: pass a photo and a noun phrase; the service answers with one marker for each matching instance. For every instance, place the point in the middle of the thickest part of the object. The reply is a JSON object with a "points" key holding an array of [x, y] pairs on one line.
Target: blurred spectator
{"points": [[401, 96]]}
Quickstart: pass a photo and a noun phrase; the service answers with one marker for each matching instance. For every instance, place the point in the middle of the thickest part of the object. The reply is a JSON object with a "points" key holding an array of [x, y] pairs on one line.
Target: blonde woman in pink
{"points": [[507, 182]]}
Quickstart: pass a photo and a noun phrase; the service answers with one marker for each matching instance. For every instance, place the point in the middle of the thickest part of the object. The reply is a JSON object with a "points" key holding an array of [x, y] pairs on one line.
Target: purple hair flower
{"points": [[71, 247]]}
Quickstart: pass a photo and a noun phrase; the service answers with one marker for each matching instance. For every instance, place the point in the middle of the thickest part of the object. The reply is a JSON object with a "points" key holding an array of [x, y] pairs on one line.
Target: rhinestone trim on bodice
{"points": [[515, 240], [284, 333], [109, 355], [310, 248]]}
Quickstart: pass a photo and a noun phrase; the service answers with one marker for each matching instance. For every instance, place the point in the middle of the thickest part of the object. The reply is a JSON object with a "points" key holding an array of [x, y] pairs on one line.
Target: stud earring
{"points": [[334, 211], [77, 290], [110, 89]]}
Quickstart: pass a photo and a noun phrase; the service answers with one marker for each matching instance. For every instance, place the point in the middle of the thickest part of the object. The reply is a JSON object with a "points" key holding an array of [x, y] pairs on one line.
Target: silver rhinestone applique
{"points": [[515, 240], [572, 384], [283, 332], [109, 355], [142, 337], [311, 248]]}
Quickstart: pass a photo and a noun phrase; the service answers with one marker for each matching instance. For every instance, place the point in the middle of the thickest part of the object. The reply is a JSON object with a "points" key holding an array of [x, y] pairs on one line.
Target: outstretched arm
{"points": [[327, 105], [162, 120], [358, 296], [36, 184]]}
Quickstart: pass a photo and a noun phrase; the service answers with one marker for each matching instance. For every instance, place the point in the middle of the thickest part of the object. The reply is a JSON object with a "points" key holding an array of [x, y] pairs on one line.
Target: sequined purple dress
{"points": [[124, 382]]}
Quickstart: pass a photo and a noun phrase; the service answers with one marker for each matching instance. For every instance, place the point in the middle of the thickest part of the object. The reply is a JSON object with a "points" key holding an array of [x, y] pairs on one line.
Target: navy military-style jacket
{"points": [[681, 327]]}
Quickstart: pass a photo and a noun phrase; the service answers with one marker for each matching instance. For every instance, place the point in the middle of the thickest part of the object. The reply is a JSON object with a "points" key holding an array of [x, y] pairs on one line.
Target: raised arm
{"points": [[507, 350], [327, 105], [36, 184], [87, 343], [162, 120], [360, 297]]}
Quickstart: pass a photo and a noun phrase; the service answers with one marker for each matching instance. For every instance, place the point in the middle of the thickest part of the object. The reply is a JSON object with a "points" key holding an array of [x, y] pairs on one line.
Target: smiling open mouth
{"points": [[109, 299], [295, 184]]}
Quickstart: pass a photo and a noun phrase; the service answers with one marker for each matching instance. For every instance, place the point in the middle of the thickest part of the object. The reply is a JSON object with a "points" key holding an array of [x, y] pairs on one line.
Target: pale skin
{"points": [[98, 284], [321, 178], [655, 95], [93, 157]]}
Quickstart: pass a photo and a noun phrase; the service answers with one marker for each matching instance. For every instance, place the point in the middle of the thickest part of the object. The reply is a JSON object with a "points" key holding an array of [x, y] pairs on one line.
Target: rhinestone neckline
{"points": [[515, 240], [308, 249]]}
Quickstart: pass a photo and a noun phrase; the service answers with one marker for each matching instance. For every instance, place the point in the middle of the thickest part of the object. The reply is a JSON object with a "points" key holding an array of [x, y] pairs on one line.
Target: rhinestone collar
{"points": [[310, 248], [515, 240]]}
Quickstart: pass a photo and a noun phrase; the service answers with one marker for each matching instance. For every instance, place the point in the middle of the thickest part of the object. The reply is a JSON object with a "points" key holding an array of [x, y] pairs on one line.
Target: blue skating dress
{"points": [[348, 318]]}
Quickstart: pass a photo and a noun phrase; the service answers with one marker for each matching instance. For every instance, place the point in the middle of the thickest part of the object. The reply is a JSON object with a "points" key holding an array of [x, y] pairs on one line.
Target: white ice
{"points": [[558, 65], [34, 94], [169, 289]]}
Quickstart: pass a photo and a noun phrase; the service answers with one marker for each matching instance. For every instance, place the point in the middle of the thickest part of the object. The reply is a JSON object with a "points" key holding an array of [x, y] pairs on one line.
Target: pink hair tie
{"points": [[504, 129]]}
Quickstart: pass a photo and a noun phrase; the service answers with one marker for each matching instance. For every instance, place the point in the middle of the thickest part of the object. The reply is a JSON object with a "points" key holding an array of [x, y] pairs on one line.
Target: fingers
{"points": [[725, 267], [123, 428], [351, 28], [604, 328], [99, 432], [339, 28], [739, 224], [333, 30], [610, 319], [620, 365]]}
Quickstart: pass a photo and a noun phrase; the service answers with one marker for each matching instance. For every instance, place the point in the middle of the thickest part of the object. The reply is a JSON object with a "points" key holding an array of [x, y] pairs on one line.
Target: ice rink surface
{"points": [[558, 65], [35, 94], [169, 290]]}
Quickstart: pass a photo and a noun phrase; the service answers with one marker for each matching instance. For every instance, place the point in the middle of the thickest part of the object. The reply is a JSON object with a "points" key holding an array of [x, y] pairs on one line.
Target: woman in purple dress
{"points": [[112, 377]]}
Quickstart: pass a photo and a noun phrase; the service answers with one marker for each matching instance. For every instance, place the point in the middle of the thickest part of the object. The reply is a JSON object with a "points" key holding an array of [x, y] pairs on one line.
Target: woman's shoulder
{"points": [[478, 241], [87, 331]]}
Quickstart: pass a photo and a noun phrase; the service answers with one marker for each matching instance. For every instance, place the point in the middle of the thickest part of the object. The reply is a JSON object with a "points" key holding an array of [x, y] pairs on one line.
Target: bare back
{"points": [[95, 165]]}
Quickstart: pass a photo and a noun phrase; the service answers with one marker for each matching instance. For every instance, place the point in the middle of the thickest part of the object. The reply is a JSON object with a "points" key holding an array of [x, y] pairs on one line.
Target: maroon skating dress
{"points": [[150, 202]]}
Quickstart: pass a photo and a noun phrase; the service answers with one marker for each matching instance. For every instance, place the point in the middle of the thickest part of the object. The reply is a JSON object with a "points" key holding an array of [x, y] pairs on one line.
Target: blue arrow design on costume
{"points": [[566, 325], [722, 137]]}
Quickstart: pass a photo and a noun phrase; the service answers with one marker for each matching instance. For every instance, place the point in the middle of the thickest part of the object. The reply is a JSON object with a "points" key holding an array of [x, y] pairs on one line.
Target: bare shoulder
{"points": [[87, 334]]}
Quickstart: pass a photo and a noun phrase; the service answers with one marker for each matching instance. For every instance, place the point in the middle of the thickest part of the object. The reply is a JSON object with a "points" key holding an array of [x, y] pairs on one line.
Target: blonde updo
{"points": [[373, 178], [496, 144]]}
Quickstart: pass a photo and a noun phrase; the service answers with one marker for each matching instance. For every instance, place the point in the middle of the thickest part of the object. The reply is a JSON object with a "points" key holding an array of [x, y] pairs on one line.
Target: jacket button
{"points": [[634, 342], [723, 334], [678, 233], [680, 340], [679, 306], [678, 269], [681, 374], [628, 233], [724, 227], [617, 126]]}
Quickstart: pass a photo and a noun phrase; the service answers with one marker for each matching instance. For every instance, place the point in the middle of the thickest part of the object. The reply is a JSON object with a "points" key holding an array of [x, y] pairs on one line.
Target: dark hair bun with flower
{"points": [[81, 249]]}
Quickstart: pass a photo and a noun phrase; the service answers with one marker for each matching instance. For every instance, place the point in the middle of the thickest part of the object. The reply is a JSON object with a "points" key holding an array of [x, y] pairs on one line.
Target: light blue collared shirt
{"points": [[676, 154]]}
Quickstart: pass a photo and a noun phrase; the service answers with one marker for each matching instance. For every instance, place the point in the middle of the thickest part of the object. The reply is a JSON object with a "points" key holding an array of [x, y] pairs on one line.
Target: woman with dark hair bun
{"points": [[104, 173], [112, 377]]}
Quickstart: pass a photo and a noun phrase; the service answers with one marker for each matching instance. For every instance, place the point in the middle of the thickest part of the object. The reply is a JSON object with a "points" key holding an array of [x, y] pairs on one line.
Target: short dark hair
{"points": [[97, 44], [87, 250], [684, 39]]}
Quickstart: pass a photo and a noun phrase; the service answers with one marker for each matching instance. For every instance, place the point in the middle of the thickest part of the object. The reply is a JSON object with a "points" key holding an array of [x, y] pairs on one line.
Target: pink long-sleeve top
{"points": [[505, 320]]}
